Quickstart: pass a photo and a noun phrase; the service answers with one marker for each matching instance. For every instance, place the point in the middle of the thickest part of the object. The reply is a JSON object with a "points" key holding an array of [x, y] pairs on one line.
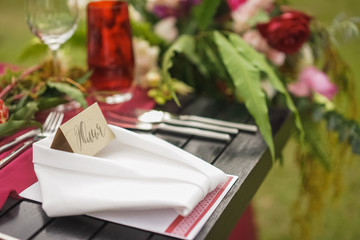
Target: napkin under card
{"points": [[133, 172]]}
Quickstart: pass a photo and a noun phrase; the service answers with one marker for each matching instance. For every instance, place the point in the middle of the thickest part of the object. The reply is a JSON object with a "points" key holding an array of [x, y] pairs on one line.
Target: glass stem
{"points": [[54, 61]]}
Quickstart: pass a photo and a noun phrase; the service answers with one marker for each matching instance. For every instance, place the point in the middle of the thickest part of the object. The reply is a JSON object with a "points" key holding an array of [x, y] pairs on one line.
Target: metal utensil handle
{"points": [[15, 153], [203, 125], [240, 126], [20, 138], [195, 132]]}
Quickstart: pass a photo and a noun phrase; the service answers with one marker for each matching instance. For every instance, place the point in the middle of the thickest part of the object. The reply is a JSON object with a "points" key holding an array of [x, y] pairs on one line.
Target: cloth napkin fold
{"points": [[19, 174], [133, 172]]}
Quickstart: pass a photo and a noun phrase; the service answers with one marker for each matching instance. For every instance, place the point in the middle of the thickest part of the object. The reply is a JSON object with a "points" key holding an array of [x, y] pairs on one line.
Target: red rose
{"points": [[4, 112], [288, 32]]}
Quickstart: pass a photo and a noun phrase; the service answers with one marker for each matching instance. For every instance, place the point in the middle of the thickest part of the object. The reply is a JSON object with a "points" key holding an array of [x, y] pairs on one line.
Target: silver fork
{"points": [[52, 122]]}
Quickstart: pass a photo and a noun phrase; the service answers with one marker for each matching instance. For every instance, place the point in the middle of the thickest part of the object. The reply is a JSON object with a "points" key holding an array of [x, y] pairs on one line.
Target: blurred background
{"points": [[274, 201]]}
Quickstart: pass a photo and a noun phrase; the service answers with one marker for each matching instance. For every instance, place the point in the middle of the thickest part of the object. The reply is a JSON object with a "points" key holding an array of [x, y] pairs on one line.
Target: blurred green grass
{"points": [[274, 199]]}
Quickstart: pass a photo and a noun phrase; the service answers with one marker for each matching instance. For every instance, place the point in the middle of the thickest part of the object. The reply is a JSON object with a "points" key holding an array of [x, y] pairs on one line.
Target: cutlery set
{"points": [[142, 120], [52, 122], [181, 124]]}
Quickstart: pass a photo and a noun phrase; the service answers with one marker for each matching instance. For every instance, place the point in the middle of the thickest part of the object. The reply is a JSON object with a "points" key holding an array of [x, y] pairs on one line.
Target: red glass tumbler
{"points": [[109, 45]]}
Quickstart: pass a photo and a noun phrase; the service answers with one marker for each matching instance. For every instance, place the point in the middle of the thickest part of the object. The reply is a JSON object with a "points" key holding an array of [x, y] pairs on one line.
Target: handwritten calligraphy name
{"points": [[85, 136]]}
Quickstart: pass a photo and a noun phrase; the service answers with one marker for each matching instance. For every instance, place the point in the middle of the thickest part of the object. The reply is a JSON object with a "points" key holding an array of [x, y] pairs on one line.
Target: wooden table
{"points": [[246, 156]]}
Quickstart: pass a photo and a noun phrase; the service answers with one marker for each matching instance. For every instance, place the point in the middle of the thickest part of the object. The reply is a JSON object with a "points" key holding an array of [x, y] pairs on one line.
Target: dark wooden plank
{"points": [[75, 227], [177, 140], [115, 232], [172, 107], [205, 149], [161, 237], [202, 106], [234, 112], [24, 220], [10, 202]]}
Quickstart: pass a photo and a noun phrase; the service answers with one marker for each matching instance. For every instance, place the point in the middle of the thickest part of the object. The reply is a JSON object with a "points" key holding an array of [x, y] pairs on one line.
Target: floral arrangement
{"points": [[260, 52]]}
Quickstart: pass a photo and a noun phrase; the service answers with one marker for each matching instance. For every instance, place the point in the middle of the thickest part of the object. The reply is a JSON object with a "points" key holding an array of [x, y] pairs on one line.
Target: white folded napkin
{"points": [[133, 172]]}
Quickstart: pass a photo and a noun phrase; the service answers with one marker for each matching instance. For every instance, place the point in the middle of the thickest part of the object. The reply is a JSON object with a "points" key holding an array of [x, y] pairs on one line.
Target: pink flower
{"points": [[313, 80], [171, 8], [234, 4]]}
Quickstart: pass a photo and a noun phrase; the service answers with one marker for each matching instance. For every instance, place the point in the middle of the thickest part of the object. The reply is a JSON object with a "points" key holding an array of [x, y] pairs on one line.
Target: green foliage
{"points": [[35, 89], [27, 112], [348, 130], [34, 49], [84, 78], [144, 30], [181, 45], [262, 64], [213, 56], [70, 91], [49, 102], [246, 78], [205, 12], [11, 127], [344, 29], [316, 143]]}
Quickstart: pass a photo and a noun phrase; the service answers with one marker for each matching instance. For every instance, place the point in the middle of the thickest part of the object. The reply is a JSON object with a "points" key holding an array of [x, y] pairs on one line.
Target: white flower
{"points": [[307, 58], [134, 14], [269, 90], [254, 38], [146, 58], [166, 29]]}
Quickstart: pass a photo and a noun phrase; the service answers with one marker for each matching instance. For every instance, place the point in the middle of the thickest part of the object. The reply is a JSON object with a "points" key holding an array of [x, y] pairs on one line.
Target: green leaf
{"points": [[84, 78], [260, 17], [211, 58], [27, 112], [35, 49], [317, 144], [261, 63], [49, 102], [246, 78], [205, 12], [10, 127], [70, 91], [181, 45], [143, 30], [190, 52]]}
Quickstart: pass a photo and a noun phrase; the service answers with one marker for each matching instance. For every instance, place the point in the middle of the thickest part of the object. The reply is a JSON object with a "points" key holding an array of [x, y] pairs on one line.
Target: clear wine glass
{"points": [[53, 21]]}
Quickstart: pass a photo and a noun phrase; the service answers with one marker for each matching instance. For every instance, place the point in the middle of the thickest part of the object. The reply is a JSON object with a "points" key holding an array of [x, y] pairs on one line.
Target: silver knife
{"points": [[174, 129], [154, 115], [177, 122], [29, 134]]}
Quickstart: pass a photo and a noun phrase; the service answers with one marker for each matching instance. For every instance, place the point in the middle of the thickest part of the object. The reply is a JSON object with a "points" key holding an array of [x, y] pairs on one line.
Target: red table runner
{"points": [[19, 174]]}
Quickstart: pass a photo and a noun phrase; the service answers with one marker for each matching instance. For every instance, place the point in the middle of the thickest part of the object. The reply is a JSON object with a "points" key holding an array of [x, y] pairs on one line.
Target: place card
{"points": [[86, 133]]}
